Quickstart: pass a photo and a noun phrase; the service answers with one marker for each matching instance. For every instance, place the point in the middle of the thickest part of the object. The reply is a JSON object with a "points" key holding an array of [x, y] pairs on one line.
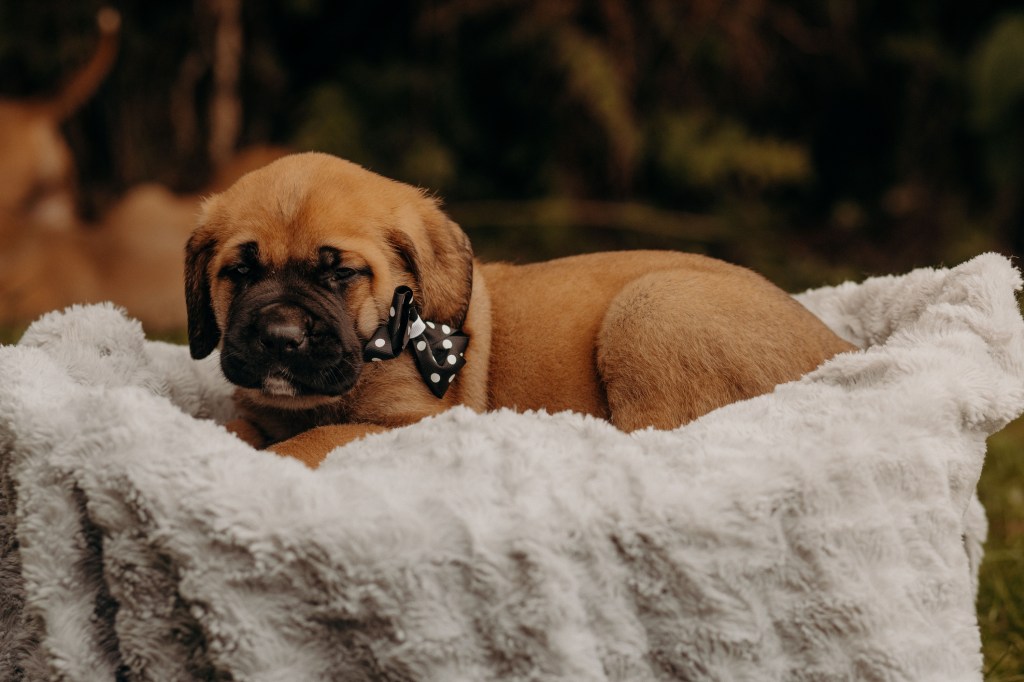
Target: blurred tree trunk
{"points": [[184, 117], [225, 103]]}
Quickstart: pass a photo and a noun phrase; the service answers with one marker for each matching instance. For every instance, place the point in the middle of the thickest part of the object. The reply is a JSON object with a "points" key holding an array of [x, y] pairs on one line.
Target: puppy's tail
{"points": [[83, 84]]}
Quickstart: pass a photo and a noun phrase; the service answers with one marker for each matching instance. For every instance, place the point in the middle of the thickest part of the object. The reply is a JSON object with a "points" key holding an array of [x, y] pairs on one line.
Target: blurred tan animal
{"points": [[47, 270], [49, 258], [345, 303], [134, 255], [142, 239], [37, 172]]}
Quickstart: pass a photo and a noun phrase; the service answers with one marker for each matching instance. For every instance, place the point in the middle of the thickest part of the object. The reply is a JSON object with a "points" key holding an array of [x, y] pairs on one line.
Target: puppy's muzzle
{"points": [[284, 349], [284, 330]]}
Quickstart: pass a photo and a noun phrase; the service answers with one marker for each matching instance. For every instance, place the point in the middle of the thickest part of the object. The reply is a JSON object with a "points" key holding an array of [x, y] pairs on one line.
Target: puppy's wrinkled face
{"points": [[289, 331], [292, 270]]}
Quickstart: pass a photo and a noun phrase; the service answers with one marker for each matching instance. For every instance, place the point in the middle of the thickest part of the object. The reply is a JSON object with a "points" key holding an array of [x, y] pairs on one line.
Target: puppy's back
{"points": [[664, 336]]}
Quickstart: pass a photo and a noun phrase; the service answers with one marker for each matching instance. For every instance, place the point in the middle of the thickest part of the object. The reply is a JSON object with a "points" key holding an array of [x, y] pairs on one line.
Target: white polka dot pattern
{"points": [[439, 351]]}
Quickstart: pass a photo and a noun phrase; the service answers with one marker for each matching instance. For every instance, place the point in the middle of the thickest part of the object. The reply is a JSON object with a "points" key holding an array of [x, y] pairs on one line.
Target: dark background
{"points": [[815, 141]]}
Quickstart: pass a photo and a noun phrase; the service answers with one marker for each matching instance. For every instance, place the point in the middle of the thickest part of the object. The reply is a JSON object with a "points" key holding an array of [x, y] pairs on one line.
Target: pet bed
{"points": [[827, 531]]}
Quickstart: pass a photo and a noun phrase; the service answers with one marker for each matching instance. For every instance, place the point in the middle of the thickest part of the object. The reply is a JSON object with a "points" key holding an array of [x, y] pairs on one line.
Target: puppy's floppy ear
{"points": [[203, 332], [442, 266]]}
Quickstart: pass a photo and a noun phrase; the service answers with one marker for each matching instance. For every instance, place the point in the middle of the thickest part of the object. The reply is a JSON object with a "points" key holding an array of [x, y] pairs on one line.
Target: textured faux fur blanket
{"points": [[827, 531]]}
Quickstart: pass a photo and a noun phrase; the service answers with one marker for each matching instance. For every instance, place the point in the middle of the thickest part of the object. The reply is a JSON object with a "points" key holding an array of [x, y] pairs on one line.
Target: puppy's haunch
{"points": [[293, 270]]}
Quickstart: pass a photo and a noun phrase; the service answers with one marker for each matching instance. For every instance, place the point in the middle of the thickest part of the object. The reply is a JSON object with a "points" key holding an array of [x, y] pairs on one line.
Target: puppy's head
{"points": [[292, 269]]}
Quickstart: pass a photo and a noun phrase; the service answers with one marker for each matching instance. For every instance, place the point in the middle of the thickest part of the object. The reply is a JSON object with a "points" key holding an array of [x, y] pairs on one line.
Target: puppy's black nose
{"points": [[282, 329]]}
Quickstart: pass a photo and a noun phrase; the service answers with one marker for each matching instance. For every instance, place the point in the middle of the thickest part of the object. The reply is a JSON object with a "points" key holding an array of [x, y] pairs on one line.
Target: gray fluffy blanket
{"points": [[827, 531]]}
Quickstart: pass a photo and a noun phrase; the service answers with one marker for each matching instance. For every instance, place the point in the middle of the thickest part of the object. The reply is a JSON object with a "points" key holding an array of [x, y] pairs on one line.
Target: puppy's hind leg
{"points": [[675, 345]]}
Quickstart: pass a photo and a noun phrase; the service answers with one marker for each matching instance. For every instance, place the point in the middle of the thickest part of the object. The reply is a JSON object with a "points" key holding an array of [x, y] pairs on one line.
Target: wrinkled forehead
{"points": [[293, 214]]}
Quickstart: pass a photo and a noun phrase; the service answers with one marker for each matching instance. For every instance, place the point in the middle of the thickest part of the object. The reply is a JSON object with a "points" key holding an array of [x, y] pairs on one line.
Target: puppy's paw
{"points": [[311, 447], [246, 431]]}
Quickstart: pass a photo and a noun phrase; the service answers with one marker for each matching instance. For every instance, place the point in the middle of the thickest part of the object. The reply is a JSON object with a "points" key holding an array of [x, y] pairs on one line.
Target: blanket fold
{"points": [[828, 530]]}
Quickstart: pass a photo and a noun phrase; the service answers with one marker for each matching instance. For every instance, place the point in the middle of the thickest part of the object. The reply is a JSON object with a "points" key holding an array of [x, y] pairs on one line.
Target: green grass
{"points": [[1001, 594], [178, 337], [10, 335]]}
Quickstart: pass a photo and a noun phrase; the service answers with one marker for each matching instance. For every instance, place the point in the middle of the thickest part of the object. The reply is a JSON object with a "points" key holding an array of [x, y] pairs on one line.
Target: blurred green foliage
{"points": [[702, 151], [1001, 593], [996, 71]]}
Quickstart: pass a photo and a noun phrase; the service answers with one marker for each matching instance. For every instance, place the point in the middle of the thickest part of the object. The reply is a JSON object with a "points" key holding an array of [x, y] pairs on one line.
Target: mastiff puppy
{"points": [[345, 303]]}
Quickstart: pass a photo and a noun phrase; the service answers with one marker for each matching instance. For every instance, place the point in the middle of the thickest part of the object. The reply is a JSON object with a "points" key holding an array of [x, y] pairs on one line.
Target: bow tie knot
{"points": [[438, 349]]}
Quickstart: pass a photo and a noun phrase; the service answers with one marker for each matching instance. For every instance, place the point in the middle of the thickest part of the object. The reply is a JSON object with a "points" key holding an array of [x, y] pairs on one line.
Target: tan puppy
{"points": [[293, 272], [37, 183]]}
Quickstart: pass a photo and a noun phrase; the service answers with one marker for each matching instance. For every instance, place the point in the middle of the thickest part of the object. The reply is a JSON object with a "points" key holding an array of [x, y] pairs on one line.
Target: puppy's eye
{"points": [[341, 275], [239, 273]]}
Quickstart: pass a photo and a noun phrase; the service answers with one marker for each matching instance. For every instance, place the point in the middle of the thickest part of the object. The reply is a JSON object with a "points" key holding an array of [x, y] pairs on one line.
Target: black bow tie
{"points": [[438, 349]]}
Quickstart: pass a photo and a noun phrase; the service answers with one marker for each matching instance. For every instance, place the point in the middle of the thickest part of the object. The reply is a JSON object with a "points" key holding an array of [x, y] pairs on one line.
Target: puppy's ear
{"points": [[203, 332], [441, 264]]}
